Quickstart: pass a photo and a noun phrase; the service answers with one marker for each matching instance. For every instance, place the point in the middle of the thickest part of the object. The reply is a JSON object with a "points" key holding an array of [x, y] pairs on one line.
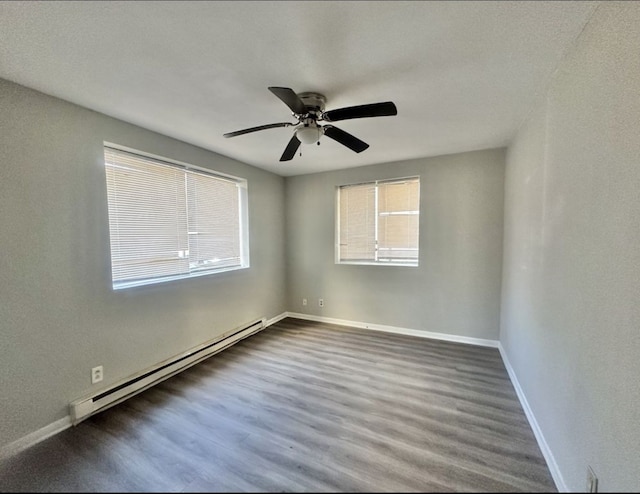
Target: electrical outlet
{"points": [[592, 481], [96, 374], [304, 301], [321, 302]]}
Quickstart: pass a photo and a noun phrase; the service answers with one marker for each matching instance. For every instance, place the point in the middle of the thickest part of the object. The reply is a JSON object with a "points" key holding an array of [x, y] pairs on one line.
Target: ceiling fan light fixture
{"points": [[308, 109], [308, 134]]}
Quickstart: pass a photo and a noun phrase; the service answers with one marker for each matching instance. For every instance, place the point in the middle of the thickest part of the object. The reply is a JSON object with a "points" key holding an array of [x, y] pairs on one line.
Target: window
{"points": [[377, 222], [169, 221]]}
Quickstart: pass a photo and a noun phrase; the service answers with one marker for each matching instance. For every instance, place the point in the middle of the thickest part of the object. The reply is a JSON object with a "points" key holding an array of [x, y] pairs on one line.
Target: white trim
{"points": [[412, 264], [537, 431], [397, 330], [273, 320], [35, 437], [123, 285], [65, 422]]}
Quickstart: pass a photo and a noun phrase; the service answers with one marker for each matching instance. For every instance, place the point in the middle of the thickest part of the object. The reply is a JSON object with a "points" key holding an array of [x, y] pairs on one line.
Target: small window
{"points": [[377, 222], [169, 221]]}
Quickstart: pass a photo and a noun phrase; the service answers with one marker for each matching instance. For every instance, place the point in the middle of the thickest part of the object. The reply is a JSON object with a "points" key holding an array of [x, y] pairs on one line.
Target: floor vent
{"points": [[89, 405]]}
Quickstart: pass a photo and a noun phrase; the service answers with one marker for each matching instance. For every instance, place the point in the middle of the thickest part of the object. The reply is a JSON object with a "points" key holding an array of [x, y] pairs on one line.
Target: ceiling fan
{"points": [[308, 108]]}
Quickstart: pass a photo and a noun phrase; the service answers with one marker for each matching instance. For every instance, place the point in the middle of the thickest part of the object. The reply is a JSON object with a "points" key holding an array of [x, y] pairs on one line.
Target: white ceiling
{"points": [[463, 75]]}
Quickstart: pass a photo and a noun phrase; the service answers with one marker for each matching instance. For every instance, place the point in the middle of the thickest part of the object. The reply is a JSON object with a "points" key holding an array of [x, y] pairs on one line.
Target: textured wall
{"points": [[58, 314], [456, 288], [571, 286]]}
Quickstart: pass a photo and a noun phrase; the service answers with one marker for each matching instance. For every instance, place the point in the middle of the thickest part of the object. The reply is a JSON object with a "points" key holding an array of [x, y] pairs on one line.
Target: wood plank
{"points": [[305, 407]]}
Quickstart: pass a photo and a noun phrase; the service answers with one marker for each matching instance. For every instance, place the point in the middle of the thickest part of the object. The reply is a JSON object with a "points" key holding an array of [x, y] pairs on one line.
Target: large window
{"points": [[169, 220], [377, 222]]}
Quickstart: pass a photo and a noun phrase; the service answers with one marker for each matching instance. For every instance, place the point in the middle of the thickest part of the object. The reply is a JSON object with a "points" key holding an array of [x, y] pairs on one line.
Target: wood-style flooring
{"points": [[305, 406]]}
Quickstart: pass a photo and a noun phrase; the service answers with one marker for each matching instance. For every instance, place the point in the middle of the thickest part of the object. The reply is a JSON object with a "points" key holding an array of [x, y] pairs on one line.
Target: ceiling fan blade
{"points": [[289, 98], [345, 138], [260, 127], [362, 111], [291, 149]]}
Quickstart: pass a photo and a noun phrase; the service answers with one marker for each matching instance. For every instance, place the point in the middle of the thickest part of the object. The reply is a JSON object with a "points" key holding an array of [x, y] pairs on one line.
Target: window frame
{"points": [[243, 218], [337, 259]]}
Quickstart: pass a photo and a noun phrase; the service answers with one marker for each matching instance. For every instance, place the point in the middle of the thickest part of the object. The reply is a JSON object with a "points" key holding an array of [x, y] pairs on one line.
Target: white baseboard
{"points": [[64, 423], [397, 330], [542, 442], [273, 320], [35, 437]]}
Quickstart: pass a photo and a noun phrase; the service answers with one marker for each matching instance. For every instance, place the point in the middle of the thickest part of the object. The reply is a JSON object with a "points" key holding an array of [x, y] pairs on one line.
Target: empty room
{"points": [[319, 246]]}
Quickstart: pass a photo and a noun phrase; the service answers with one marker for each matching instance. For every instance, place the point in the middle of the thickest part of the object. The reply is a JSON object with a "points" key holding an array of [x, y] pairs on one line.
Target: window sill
{"points": [[373, 263], [154, 281]]}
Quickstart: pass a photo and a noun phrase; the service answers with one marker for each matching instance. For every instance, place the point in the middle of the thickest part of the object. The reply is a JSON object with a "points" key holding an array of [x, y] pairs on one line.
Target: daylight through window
{"points": [[378, 222], [169, 221]]}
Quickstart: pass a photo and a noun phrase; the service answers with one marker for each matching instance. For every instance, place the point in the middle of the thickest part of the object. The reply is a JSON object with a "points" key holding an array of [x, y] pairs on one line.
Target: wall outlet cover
{"points": [[97, 374]]}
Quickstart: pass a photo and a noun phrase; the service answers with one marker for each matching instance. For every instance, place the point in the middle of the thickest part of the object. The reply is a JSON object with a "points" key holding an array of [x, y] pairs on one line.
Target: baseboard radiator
{"points": [[89, 405]]}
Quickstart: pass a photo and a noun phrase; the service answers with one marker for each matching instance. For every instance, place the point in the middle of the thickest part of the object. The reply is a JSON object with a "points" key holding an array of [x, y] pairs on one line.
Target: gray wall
{"points": [[456, 288], [58, 314], [571, 286]]}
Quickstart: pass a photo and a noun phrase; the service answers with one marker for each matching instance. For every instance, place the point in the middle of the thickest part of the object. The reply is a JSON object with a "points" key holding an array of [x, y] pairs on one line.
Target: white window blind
{"points": [[378, 222], [167, 221], [358, 222], [214, 234]]}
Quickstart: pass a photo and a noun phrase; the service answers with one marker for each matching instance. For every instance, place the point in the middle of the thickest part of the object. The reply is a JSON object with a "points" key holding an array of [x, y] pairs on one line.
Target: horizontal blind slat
{"points": [[392, 234], [153, 206]]}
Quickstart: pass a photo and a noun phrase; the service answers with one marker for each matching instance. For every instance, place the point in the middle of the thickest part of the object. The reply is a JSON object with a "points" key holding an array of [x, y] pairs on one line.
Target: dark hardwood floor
{"points": [[305, 406]]}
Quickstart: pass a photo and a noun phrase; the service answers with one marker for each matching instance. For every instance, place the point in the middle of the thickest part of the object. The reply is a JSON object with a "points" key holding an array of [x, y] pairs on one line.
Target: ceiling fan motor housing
{"points": [[313, 101], [309, 132], [308, 109]]}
